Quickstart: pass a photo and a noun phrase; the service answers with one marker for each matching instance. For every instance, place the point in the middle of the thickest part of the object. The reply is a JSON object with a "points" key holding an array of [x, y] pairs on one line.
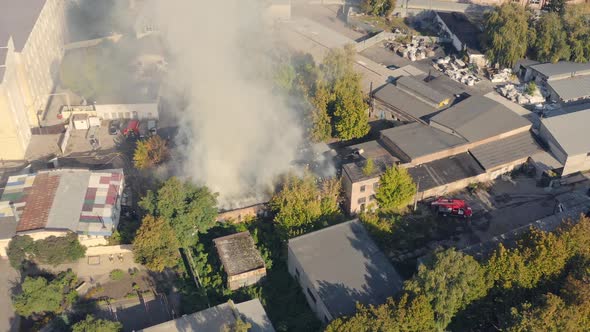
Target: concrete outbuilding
{"points": [[241, 261], [340, 266]]}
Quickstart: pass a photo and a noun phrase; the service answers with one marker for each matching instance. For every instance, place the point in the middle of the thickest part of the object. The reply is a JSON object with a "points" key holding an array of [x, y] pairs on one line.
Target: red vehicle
{"points": [[132, 128], [452, 207]]}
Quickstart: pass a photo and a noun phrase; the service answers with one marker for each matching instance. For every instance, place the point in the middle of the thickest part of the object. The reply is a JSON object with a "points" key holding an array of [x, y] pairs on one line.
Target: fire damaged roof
{"points": [[238, 253]]}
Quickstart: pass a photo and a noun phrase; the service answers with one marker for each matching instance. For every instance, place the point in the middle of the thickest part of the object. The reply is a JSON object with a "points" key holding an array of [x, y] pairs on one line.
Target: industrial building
{"points": [[475, 140], [56, 202], [32, 36], [567, 82], [568, 139], [465, 35], [219, 318], [241, 261], [340, 266]]}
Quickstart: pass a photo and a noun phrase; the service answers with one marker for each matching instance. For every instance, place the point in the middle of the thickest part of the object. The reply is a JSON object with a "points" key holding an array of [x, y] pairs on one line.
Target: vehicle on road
{"points": [[152, 127], [114, 127], [132, 129], [451, 207]]}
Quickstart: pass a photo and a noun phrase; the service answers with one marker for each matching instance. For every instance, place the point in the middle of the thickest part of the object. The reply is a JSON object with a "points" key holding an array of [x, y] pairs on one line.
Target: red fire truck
{"points": [[452, 207]]}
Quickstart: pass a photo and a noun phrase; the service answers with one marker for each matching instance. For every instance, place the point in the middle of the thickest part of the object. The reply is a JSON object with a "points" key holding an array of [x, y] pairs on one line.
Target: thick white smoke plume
{"points": [[239, 135]]}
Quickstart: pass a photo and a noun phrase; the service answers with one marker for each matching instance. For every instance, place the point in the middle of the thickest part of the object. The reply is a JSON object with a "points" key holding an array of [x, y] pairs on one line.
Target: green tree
{"points": [[506, 34], [150, 152], [450, 282], [351, 118], [39, 296], [155, 244], [369, 167], [337, 63], [302, 203], [556, 6], [531, 88], [91, 324], [551, 42], [19, 250], [578, 34], [396, 189], [321, 127], [238, 326], [407, 315], [189, 209]]}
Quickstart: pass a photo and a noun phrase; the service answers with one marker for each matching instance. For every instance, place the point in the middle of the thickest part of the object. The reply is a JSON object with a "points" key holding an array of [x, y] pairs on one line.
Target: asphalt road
{"points": [[9, 321]]}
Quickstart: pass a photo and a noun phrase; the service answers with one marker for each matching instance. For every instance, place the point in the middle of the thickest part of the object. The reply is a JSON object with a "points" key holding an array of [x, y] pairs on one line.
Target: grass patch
{"points": [[117, 274]]}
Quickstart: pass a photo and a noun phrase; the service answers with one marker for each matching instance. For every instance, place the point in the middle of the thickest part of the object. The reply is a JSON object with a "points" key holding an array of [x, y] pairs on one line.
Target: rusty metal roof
{"points": [[39, 201]]}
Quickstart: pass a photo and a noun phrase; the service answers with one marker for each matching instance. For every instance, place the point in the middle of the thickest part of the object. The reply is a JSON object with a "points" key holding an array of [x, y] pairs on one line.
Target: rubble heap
{"points": [[456, 69], [518, 94]]}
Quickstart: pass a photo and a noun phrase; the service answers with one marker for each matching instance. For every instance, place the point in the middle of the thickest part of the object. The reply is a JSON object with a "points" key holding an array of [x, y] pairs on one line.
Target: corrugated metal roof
{"points": [[506, 150], [402, 102], [572, 88], [418, 140], [571, 131], [477, 118], [345, 266], [39, 201], [561, 68]]}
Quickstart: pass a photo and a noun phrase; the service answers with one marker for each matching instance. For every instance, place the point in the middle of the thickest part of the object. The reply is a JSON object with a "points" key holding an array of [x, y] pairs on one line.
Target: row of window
{"points": [[363, 200], [375, 186]]}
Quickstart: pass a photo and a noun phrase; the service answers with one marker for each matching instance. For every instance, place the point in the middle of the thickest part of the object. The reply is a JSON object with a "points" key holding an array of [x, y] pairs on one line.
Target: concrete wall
{"points": [[577, 163], [242, 214], [246, 278], [554, 146], [354, 195], [127, 111], [317, 306]]}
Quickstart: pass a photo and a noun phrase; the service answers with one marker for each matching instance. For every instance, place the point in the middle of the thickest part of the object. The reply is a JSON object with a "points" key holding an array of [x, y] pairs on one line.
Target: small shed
{"points": [[241, 260], [80, 121]]}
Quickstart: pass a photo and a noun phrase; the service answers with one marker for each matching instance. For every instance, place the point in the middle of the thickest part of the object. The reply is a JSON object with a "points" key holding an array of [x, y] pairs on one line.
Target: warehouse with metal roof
{"points": [[340, 266], [568, 139]]}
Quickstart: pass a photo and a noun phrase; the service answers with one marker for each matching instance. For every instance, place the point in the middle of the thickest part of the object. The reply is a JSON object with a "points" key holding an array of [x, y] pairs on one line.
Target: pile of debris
{"points": [[503, 75], [416, 49], [456, 69], [520, 95]]}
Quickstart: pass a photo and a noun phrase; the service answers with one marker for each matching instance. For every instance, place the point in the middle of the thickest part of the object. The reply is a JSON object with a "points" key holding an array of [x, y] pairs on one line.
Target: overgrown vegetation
{"points": [[542, 284], [52, 250], [511, 33], [332, 96], [156, 244], [189, 209], [149, 153], [41, 296], [92, 324], [304, 204], [396, 189]]}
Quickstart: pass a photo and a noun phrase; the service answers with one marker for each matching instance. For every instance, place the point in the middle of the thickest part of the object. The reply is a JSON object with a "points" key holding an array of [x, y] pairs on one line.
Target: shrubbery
{"points": [[52, 250]]}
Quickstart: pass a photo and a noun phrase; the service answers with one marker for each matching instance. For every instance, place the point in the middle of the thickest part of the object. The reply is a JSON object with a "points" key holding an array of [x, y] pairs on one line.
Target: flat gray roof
{"points": [[403, 102], [477, 118], [444, 171], [420, 90], [418, 140], [345, 266], [571, 131], [17, 19], [506, 150], [572, 88], [214, 319], [561, 68], [68, 200]]}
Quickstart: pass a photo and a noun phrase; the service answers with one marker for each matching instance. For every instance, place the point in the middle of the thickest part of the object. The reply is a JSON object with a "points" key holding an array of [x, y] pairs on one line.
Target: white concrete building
{"points": [[32, 34]]}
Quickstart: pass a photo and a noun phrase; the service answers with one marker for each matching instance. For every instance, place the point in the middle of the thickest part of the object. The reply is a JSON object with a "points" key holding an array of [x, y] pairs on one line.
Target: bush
{"points": [[52, 250], [531, 88], [117, 274]]}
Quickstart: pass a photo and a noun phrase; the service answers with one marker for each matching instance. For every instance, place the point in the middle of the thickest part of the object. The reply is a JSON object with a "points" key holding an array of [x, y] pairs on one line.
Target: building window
{"points": [[371, 198], [311, 295], [362, 200], [375, 185], [363, 188]]}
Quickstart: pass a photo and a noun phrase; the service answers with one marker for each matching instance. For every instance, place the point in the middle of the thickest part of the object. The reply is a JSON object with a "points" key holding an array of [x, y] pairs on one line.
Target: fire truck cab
{"points": [[451, 207]]}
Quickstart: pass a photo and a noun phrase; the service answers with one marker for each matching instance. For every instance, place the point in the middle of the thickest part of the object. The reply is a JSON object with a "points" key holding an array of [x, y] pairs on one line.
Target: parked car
{"points": [[132, 129], [152, 127], [114, 127], [143, 130]]}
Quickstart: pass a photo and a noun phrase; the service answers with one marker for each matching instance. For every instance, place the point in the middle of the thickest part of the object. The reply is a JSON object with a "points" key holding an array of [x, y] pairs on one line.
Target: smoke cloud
{"points": [[237, 134]]}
